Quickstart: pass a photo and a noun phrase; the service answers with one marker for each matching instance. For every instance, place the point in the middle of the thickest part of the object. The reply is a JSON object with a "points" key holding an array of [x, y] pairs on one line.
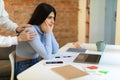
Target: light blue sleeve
{"points": [[45, 50], [55, 45]]}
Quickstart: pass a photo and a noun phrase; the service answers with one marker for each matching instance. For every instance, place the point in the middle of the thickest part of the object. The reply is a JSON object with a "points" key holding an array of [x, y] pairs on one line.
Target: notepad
{"points": [[76, 50], [69, 72]]}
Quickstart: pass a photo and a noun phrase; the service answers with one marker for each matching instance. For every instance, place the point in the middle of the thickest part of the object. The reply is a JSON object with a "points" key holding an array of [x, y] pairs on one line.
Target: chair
{"points": [[12, 61]]}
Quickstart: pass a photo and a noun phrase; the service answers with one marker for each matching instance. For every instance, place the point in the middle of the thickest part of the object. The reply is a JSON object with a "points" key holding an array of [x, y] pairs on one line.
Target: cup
{"points": [[100, 46]]}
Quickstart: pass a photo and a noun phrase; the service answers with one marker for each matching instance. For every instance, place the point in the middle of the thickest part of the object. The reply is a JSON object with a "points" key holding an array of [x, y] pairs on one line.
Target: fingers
{"points": [[27, 35], [26, 30], [76, 45], [22, 27], [31, 34], [49, 27], [25, 26], [46, 23]]}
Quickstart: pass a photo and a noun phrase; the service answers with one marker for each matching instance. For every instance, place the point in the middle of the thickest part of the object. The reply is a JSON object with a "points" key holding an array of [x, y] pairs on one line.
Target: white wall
{"points": [[96, 25], [97, 15]]}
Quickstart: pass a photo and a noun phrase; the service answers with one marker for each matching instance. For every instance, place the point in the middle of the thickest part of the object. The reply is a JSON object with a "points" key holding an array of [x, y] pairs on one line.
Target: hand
{"points": [[46, 27], [76, 44], [50, 28], [27, 35], [22, 27]]}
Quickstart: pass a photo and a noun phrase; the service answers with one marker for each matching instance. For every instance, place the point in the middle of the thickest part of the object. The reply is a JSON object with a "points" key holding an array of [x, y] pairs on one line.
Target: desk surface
{"points": [[110, 56]]}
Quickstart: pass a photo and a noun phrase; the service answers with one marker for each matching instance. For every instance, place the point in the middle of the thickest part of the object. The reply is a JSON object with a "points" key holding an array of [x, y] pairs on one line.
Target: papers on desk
{"points": [[67, 57]]}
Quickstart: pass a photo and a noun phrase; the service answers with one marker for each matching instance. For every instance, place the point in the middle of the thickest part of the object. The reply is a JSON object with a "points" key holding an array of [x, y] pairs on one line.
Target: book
{"points": [[69, 72]]}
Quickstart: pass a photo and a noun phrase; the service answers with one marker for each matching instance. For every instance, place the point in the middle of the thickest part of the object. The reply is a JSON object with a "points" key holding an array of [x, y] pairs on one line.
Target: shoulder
{"points": [[33, 27]]}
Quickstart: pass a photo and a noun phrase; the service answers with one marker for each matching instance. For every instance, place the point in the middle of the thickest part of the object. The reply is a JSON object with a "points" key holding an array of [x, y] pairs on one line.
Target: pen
{"points": [[63, 56], [54, 62], [66, 56], [57, 57]]}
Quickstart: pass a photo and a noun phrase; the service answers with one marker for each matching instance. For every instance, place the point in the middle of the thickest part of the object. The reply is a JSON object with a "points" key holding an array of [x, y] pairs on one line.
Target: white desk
{"points": [[109, 61]]}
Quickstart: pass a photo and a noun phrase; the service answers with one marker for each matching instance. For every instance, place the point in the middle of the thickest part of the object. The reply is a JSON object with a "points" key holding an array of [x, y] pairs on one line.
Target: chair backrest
{"points": [[12, 60]]}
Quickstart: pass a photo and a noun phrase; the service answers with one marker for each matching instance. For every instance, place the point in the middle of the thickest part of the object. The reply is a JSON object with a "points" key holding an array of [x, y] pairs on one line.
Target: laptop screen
{"points": [[87, 58]]}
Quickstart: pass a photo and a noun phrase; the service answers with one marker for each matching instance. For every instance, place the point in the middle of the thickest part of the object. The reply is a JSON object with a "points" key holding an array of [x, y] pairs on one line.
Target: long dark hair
{"points": [[41, 13]]}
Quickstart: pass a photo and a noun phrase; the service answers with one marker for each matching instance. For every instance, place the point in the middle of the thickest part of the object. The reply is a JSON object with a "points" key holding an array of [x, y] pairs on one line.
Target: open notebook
{"points": [[87, 58]]}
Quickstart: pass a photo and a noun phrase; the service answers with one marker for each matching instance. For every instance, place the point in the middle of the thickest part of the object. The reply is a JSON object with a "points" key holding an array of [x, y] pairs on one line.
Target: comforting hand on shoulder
{"points": [[22, 27], [27, 35]]}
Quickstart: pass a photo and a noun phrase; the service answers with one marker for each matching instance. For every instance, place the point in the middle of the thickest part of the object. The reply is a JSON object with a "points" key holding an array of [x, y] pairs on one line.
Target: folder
{"points": [[69, 72]]}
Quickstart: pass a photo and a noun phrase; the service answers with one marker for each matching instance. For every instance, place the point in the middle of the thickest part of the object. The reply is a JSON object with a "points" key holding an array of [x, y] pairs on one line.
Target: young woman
{"points": [[44, 44]]}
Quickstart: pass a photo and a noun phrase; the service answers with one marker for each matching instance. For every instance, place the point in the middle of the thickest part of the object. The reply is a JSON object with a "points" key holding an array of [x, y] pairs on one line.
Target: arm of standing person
{"points": [[7, 23], [7, 41], [4, 18]]}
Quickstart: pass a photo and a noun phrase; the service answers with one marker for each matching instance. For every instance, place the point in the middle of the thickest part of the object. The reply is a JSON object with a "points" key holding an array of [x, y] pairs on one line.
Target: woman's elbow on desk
{"points": [[54, 52], [47, 56]]}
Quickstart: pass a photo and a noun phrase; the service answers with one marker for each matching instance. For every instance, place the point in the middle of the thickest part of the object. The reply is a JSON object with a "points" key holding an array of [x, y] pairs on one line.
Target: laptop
{"points": [[88, 58]]}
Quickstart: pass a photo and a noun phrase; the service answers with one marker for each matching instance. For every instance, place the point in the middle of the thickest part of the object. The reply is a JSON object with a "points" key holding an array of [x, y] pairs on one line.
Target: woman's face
{"points": [[49, 20]]}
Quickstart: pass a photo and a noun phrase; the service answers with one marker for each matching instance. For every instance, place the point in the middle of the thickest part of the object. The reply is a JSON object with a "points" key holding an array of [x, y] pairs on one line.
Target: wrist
{"points": [[19, 38], [17, 30]]}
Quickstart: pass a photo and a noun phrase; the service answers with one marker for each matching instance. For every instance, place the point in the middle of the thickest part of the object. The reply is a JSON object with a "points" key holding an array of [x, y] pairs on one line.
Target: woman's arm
{"points": [[55, 45], [42, 45]]}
